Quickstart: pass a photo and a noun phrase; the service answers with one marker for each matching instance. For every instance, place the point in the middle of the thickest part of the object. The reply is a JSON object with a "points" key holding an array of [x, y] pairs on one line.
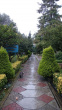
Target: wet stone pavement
{"points": [[32, 91]]}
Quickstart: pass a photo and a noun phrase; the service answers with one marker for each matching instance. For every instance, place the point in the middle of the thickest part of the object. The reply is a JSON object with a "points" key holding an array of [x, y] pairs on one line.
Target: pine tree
{"points": [[49, 22], [49, 11]]}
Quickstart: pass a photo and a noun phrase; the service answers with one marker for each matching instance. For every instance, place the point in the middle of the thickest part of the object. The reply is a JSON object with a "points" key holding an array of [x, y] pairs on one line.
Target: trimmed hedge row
{"points": [[3, 80], [57, 81], [23, 58], [16, 65]]}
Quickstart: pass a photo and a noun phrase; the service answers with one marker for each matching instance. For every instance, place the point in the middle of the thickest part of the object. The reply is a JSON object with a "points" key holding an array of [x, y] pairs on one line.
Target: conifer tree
{"points": [[49, 11], [49, 22]]}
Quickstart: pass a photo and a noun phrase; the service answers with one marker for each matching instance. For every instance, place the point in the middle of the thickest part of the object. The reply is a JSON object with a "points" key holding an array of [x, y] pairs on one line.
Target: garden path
{"points": [[32, 91]]}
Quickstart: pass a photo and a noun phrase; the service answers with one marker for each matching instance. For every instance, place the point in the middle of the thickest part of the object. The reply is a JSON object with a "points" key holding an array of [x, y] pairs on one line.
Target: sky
{"points": [[23, 13]]}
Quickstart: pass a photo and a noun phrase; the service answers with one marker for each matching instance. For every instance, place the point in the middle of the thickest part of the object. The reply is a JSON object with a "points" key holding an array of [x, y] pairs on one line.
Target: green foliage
{"points": [[29, 53], [57, 80], [3, 80], [16, 66], [49, 13], [25, 44], [30, 43], [23, 58], [48, 64], [53, 36], [5, 20], [50, 25], [8, 85], [39, 47], [14, 59], [8, 35], [58, 55], [5, 65], [59, 61]]}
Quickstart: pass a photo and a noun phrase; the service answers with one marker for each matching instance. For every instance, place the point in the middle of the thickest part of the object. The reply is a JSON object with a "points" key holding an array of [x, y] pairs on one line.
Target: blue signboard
{"points": [[13, 49]]}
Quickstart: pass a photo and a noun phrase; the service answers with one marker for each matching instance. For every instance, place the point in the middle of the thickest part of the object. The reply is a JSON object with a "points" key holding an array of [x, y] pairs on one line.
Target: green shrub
{"points": [[59, 61], [57, 80], [14, 59], [16, 65], [5, 65], [48, 64], [23, 58], [58, 55], [3, 80], [29, 53]]}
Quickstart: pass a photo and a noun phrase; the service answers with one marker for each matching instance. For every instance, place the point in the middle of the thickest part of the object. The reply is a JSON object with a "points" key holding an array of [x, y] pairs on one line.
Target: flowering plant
{"points": [[57, 80]]}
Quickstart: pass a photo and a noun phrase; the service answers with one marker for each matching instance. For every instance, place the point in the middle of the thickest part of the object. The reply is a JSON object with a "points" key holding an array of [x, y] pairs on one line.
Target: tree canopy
{"points": [[9, 35], [50, 25]]}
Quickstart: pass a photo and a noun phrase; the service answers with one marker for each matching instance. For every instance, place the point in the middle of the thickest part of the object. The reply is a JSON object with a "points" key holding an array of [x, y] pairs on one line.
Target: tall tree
{"points": [[5, 20], [49, 20], [49, 11], [8, 36], [25, 43], [30, 42]]}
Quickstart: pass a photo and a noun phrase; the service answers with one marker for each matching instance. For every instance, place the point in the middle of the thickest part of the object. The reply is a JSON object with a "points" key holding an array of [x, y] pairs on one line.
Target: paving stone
{"points": [[54, 104], [32, 93], [41, 84], [48, 107], [21, 79], [49, 94], [19, 89], [15, 96], [7, 102], [32, 87], [46, 90], [13, 106], [45, 98], [30, 82], [30, 103], [18, 84]]}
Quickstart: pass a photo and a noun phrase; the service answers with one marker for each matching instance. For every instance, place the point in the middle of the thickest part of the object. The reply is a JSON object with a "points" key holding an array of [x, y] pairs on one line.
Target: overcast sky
{"points": [[23, 13]]}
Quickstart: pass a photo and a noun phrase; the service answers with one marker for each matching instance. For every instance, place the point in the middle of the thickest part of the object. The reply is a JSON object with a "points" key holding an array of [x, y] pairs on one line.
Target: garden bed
{"points": [[57, 96]]}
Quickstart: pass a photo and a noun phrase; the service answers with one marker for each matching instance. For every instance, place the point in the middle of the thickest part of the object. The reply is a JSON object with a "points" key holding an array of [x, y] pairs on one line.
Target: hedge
{"points": [[3, 80], [23, 58], [16, 65], [58, 55], [57, 80], [5, 64], [14, 59], [48, 64], [59, 61]]}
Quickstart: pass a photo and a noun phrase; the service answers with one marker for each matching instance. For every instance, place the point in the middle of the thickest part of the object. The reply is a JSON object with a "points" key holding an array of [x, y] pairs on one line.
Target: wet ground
{"points": [[32, 91]]}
